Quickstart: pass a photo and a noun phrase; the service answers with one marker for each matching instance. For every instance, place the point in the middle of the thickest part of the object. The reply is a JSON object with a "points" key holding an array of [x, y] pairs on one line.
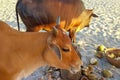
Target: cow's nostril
{"points": [[82, 66]]}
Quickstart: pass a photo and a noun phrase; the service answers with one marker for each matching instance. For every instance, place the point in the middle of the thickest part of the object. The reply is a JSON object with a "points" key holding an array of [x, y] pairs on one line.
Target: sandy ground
{"points": [[103, 30]]}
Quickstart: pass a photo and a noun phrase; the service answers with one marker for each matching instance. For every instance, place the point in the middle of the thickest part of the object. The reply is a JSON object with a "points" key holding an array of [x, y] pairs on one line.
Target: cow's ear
{"points": [[90, 11], [53, 46], [94, 15], [56, 50]]}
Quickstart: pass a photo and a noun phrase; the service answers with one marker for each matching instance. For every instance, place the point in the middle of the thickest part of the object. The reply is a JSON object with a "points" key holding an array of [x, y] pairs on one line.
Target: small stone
{"points": [[102, 78], [84, 72], [66, 75], [84, 78], [90, 68], [99, 54], [92, 77], [107, 73], [93, 61]]}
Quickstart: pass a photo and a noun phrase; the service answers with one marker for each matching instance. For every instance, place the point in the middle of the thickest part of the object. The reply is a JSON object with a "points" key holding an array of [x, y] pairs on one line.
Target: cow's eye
{"points": [[66, 49]]}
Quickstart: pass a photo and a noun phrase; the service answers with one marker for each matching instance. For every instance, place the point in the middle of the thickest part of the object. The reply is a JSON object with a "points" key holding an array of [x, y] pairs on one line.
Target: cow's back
{"points": [[42, 12]]}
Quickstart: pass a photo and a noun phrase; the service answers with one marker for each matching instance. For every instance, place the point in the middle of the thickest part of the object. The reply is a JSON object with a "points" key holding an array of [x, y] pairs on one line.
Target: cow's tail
{"points": [[16, 8]]}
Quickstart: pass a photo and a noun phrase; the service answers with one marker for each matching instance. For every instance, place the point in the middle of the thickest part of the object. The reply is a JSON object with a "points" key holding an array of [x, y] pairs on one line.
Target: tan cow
{"points": [[23, 52], [41, 14]]}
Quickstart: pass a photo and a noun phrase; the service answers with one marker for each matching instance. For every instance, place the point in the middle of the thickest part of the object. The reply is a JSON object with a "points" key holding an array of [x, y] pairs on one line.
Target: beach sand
{"points": [[103, 30]]}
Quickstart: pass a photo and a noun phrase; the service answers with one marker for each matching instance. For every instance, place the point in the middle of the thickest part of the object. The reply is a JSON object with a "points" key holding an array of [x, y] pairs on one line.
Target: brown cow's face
{"points": [[82, 21], [67, 57], [85, 19]]}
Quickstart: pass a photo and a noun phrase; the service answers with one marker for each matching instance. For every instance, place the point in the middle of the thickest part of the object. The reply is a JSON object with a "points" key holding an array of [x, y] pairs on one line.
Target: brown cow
{"points": [[41, 14], [23, 52]]}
